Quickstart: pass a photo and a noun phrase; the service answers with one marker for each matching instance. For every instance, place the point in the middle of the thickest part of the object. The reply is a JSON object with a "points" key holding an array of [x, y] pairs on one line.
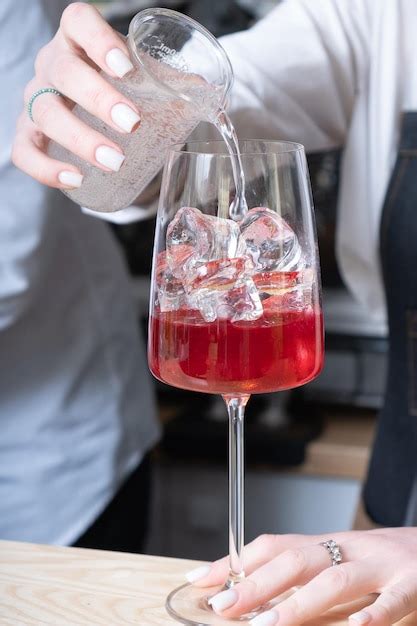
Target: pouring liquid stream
{"points": [[238, 207]]}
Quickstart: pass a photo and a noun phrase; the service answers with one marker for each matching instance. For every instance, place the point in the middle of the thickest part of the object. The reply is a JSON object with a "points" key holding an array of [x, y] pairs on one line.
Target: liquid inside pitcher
{"points": [[181, 76]]}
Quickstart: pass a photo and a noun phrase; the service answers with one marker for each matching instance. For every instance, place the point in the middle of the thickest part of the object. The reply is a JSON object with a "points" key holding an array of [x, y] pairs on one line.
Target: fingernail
{"points": [[363, 617], [109, 157], [198, 573], [269, 618], [125, 117], [223, 600], [118, 62], [70, 179]]}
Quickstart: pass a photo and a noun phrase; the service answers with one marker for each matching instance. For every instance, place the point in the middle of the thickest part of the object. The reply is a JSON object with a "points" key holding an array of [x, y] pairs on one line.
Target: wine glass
{"points": [[235, 305]]}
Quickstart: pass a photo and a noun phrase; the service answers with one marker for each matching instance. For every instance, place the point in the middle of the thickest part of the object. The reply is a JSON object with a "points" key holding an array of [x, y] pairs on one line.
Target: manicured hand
{"points": [[70, 63], [381, 561]]}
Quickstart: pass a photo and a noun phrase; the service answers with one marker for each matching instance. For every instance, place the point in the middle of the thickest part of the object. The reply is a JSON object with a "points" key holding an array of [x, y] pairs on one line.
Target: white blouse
{"points": [[334, 73], [76, 406]]}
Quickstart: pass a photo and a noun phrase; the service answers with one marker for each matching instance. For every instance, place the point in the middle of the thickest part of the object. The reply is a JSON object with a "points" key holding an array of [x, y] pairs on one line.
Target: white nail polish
{"points": [[109, 157], [223, 600], [363, 617], [118, 62], [124, 117], [269, 618], [198, 573], [70, 179]]}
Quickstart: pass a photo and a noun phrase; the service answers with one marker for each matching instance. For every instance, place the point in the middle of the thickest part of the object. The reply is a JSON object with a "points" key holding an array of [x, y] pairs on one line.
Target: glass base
{"points": [[189, 605]]}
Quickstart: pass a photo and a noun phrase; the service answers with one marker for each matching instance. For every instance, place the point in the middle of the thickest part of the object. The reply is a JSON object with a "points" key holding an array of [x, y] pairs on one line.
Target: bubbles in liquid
{"points": [[166, 118]]}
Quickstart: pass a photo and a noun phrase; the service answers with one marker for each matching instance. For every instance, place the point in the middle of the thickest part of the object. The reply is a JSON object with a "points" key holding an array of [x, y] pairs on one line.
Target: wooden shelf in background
{"points": [[343, 449]]}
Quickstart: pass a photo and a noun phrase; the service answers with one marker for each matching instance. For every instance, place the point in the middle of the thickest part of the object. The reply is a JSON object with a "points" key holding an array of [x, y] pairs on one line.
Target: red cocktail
{"points": [[235, 301], [281, 350]]}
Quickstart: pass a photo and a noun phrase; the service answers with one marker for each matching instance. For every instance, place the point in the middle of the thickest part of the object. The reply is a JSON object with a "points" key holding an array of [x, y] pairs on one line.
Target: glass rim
{"points": [[146, 14], [290, 147]]}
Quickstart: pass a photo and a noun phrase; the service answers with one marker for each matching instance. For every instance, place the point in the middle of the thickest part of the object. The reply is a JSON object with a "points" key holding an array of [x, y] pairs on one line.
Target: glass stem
{"points": [[236, 411]]}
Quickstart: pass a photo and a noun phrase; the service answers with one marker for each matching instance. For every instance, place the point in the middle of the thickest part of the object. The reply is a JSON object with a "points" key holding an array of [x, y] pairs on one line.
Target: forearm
{"points": [[297, 72]]}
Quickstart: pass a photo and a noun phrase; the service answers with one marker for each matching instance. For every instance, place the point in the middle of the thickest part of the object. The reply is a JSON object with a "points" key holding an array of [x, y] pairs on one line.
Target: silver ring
{"points": [[334, 551], [39, 93]]}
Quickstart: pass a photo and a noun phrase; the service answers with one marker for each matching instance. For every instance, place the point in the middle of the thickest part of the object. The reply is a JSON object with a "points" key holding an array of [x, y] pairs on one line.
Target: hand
{"points": [[83, 44], [378, 561]]}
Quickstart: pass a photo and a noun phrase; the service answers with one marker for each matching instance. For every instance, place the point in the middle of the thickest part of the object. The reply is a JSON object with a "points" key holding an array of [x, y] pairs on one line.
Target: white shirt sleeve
{"points": [[297, 71], [24, 211], [128, 215]]}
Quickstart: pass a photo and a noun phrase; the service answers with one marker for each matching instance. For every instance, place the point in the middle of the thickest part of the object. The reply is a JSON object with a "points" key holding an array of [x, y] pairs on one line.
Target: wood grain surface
{"points": [[76, 587]]}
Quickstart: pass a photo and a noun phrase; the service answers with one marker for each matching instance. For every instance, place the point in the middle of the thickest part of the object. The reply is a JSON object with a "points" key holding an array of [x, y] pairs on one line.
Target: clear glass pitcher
{"points": [[181, 76]]}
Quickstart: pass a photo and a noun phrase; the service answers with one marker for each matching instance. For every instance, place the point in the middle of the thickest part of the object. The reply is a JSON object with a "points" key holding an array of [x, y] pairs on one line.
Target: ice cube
{"points": [[295, 300], [194, 238], [224, 289], [270, 241], [242, 301], [171, 293], [170, 290], [161, 265], [221, 274], [280, 291], [275, 283], [207, 256]]}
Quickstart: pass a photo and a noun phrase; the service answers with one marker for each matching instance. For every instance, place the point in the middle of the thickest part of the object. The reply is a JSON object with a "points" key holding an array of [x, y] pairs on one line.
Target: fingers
{"points": [[82, 84], [29, 156], [83, 27], [392, 605], [291, 568], [255, 554], [52, 116], [333, 586], [362, 573]]}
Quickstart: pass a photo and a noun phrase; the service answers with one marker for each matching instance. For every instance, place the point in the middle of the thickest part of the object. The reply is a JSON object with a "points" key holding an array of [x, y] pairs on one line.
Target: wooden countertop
{"points": [[76, 587]]}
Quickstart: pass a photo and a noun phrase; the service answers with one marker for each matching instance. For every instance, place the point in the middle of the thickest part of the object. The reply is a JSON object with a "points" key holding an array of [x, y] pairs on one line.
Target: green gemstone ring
{"points": [[39, 93]]}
